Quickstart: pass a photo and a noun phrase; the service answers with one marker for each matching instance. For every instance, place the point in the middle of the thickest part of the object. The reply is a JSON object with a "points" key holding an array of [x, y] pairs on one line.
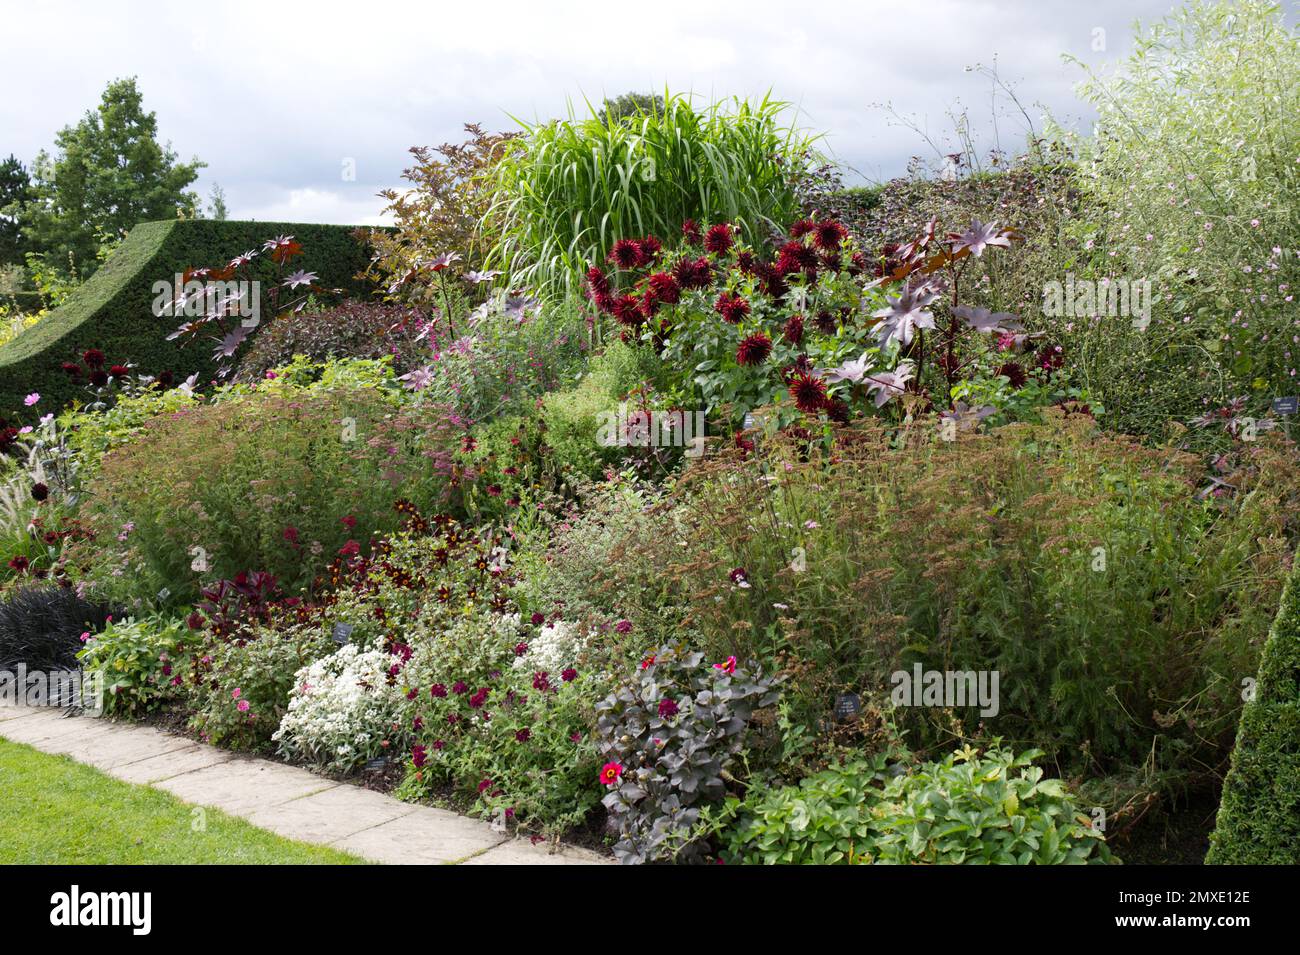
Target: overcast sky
{"points": [[277, 96]]}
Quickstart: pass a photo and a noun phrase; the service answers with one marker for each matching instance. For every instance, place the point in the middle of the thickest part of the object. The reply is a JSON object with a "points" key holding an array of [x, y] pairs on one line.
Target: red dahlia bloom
{"points": [[650, 249], [828, 234], [754, 349], [691, 232], [793, 330], [626, 254], [797, 257], [93, 357], [119, 371], [731, 307], [71, 368], [718, 239], [99, 378], [1013, 372], [627, 310], [667, 708], [808, 392], [802, 228], [693, 273], [39, 491]]}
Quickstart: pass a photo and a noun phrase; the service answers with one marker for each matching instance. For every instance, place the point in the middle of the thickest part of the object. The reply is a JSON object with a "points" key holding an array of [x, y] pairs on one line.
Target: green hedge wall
{"points": [[1259, 816], [112, 310]]}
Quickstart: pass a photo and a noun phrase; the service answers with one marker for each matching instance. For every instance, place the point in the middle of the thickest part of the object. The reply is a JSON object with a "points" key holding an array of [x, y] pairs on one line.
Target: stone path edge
{"points": [[288, 800]]}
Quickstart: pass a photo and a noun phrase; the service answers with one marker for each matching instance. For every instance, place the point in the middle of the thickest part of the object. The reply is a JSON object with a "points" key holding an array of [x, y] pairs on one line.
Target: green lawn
{"points": [[54, 810]]}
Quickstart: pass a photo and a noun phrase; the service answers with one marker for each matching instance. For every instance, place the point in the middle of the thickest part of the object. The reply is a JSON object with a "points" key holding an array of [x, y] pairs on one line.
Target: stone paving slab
{"points": [[174, 763], [523, 852], [330, 815], [287, 800], [423, 837]]}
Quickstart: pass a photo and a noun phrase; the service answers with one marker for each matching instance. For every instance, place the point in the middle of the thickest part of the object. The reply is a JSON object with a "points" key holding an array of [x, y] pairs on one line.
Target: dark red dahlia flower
{"points": [[99, 378], [731, 307], [797, 257], [691, 232], [808, 392], [71, 368], [650, 249], [754, 349], [828, 234], [718, 239], [627, 309], [626, 254], [40, 491], [119, 371], [93, 357], [793, 330], [1014, 373], [802, 228], [693, 273]]}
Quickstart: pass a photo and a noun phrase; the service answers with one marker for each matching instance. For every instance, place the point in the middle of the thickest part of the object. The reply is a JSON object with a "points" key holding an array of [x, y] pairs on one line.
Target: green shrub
{"points": [[112, 311], [1259, 818], [142, 662], [995, 809], [239, 691], [1052, 554], [276, 479], [1191, 183], [567, 189]]}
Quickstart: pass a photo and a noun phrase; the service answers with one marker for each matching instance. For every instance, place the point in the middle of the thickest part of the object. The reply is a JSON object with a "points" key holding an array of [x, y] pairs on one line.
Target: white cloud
{"points": [[274, 96]]}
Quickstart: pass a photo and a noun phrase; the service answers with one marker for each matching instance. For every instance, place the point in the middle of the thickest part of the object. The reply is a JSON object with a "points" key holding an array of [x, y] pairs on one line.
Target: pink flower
{"points": [[32, 399], [610, 773], [728, 667], [236, 693], [242, 706]]}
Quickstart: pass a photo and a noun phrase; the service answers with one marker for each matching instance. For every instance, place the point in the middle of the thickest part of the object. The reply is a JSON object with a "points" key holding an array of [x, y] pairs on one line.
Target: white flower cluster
{"points": [[555, 647], [341, 709]]}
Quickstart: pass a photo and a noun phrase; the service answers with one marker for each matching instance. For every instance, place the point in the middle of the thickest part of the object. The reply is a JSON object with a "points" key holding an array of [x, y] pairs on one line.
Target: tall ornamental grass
{"points": [[568, 189]]}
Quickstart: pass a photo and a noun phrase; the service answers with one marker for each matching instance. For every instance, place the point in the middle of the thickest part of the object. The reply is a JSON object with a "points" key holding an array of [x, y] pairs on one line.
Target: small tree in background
{"points": [[15, 190], [108, 173]]}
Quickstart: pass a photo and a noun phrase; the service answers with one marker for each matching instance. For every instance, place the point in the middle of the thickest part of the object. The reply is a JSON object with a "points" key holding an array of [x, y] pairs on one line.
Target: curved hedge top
{"points": [[112, 310]]}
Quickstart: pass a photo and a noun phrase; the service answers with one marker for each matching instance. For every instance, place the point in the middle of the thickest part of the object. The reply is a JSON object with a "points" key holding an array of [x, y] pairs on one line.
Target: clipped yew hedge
{"points": [[112, 310], [1259, 816]]}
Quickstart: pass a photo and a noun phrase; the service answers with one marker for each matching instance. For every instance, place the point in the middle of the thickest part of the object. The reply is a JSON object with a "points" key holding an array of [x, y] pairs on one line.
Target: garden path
{"points": [[287, 800]]}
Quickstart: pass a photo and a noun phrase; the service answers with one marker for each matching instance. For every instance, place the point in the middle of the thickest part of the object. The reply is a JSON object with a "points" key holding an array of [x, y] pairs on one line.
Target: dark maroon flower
{"points": [[485, 785], [569, 674], [166, 379], [459, 687], [418, 755], [825, 322], [523, 735], [797, 257], [119, 371], [348, 521], [693, 273], [417, 724], [99, 378], [626, 254], [290, 534], [478, 699], [828, 234], [71, 368], [731, 307], [39, 491], [623, 626], [93, 357], [627, 309], [542, 681], [350, 549], [598, 286], [691, 232], [739, 575], [802, 228], [521, 649], [537, 619], [494, 490], [667, 708], [650, 248], [808, 392], [837, 409], [438, 690], [718, 239], [1014, 373], [663, 289], [793, 330], [194, 621], [754, 349], [438, 744]]}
